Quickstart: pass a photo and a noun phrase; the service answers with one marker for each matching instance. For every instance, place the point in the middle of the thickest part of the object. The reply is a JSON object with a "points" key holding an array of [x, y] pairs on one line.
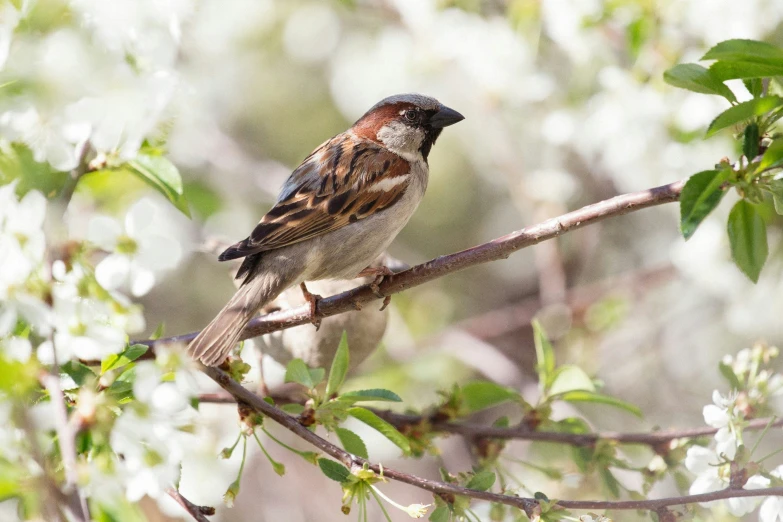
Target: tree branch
{"points": [[197, 512], [240, 394], [522, 432], [494, 250]]}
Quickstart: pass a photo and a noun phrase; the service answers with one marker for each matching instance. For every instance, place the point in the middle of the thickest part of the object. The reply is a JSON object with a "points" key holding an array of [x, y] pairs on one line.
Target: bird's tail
{"points": [[216, 341]]}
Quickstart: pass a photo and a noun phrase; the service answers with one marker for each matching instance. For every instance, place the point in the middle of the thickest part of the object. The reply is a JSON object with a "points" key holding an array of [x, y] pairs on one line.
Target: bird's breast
{"points": [[343, 253]]}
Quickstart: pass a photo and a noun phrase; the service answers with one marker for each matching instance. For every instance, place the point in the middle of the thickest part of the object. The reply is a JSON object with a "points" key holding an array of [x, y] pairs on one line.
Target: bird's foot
{"points": [[380, 273], [312, 300]]}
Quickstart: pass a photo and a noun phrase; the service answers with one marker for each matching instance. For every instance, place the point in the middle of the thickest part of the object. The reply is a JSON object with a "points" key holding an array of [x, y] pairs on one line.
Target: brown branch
{"points": [[494, 250], [197, 512], [240, 394], [522, 432]]}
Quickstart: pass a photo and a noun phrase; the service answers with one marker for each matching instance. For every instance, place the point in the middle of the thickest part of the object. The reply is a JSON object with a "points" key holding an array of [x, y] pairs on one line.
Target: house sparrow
{"points": [[335, 214]]}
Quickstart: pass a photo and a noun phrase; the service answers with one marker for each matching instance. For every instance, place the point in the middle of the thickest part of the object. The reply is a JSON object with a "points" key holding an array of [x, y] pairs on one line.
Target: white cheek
{"points": [[402, 140], [387, 184]]}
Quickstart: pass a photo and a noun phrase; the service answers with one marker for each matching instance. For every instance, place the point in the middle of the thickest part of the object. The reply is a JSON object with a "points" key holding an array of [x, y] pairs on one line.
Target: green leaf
{"points": [[375, 394], [582, 456], [317, 375], [599, 398], [569, 377], [478, 395], [773, 156], [739, 50], [204, 200], [748, 239], [380, 425], [127, 356], [293, 408], [610, 481], [18, 162], [750, 142], [728, 373], [162, 175], [297, 371], [481, 481], [77, 371], [352, 443], [696, 78], [339, 367], [441, 514], [743, 111], [754, 86], [776, 189], [724, 71], [700, 195], [545, 355], [159, 331], [334, 470]]}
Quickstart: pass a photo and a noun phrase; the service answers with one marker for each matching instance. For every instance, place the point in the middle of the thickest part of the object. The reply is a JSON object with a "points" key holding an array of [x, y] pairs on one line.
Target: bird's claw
{"points": [[312, 300], [380, 273], [376, 271]]}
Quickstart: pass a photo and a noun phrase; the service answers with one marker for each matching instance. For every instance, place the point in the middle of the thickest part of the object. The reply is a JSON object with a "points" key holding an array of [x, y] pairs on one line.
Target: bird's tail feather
{"points": [[216, 341]]}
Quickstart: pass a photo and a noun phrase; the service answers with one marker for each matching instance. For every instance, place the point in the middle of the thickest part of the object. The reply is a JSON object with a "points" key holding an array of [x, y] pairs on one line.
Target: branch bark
{"points": [[521, 432], [494, 250], [240, 394], [197, 512]]}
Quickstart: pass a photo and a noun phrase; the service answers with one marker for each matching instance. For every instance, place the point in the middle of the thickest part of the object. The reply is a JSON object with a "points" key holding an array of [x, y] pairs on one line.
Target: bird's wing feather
{"points": [[344, 180]]}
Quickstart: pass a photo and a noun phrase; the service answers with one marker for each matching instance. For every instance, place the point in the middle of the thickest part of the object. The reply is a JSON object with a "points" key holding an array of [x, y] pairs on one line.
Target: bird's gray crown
{"points": [[425, 102]]}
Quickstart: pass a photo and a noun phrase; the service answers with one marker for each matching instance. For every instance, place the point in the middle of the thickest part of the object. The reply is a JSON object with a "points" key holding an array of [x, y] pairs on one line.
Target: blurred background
{"points": [[565, 105]]}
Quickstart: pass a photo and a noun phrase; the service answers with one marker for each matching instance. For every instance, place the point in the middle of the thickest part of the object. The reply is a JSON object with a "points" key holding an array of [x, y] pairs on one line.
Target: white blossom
{"points": [[52, 139], [719, 415], [772, 507], [150, 439], [83, 328], [712, 474], [140, 248], [22, 241], [128, 110]]}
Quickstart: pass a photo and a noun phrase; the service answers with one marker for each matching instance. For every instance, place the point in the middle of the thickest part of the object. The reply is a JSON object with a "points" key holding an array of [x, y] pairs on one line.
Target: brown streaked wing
{"points": [[330, 189]]}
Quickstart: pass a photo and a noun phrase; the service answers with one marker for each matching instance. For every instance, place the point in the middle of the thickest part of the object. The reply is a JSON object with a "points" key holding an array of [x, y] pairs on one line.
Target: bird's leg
{"points": [[312, 300], [380, 273]]}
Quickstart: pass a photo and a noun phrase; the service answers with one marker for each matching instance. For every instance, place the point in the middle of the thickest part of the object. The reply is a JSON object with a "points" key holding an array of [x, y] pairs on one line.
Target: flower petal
{"points": [[113, 271], [771, 510], [104, 231], [142, 281], [140, 218], [157, 252], [715, 416]]}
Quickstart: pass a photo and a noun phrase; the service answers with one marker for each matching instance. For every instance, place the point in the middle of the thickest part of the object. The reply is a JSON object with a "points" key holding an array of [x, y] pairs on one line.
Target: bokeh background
{"points": [[565, 105]]}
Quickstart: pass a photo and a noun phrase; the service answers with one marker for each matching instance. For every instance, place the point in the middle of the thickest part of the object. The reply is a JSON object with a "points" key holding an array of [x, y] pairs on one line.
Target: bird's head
{"points": [[406, 124]]}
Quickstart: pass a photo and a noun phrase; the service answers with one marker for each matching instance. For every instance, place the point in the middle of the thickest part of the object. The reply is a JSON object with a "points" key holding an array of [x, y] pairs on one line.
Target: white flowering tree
{"points": [[103, 418]]}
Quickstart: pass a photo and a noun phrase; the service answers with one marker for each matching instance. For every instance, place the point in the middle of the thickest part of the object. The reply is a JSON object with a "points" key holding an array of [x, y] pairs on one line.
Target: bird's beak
{"points": [[445, 117]]}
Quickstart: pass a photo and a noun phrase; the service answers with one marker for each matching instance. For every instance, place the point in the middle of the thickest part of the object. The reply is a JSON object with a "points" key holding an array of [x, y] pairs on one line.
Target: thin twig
{"points": [[521, 432], [494, 250], [243, 395], [197, 512], [66, 434]]}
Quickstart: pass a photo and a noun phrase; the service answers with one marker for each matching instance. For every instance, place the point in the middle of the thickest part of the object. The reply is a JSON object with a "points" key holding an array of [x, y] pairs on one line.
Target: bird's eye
{"points": [[410, 115]]}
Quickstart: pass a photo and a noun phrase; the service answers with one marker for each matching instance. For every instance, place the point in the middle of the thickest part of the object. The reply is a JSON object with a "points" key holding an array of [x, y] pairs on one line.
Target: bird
{"points": [[335, 214]]}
